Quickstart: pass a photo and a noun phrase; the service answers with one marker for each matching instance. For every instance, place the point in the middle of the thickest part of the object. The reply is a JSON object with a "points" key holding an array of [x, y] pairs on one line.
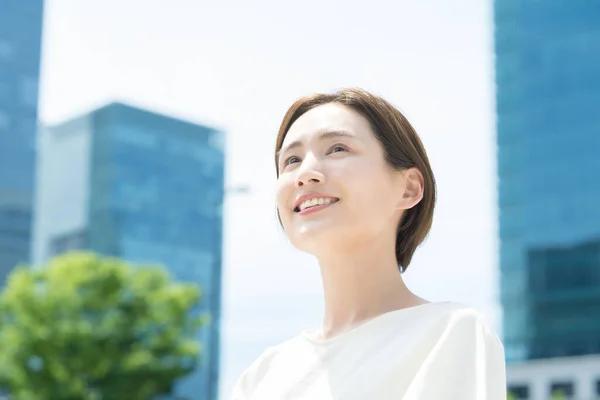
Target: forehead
{"points": [[324, 118]]}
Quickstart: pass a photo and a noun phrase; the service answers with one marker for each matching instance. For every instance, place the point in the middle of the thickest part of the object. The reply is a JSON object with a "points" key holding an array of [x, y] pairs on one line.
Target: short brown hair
{"points": [[402, 148]]}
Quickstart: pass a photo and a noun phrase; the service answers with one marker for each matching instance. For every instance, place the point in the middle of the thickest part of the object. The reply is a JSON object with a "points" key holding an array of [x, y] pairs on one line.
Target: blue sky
{"points": [[238, 66]]}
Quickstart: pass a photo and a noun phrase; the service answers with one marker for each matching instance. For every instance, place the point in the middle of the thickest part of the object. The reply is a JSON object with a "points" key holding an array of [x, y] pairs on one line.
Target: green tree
{"points": [[558, 395], [87, 327]]}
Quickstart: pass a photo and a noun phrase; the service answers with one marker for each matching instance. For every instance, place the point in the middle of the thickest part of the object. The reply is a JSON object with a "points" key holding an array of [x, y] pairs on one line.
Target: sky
{"points": [[238, 66]]}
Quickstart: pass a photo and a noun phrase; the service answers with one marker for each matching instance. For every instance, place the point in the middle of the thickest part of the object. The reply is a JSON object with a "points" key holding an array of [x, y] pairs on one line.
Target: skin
{"points": [[353, 239]]}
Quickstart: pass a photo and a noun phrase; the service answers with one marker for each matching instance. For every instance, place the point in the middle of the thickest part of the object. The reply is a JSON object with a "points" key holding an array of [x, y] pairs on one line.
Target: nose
{"points": [[309, 172]]}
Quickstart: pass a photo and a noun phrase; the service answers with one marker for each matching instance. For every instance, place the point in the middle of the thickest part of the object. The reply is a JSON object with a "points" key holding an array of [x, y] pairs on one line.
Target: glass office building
{"points": [[20, 48], [145, 187], [548, 136]]}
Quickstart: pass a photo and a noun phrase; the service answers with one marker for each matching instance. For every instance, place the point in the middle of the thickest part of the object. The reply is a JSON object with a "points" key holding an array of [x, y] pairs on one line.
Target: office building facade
{"points": [[548, 136], [144, 187], [20, 49]]}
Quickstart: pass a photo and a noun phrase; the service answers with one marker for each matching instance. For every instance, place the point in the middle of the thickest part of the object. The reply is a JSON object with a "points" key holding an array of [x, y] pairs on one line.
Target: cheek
{"points": [[366, 184], [283, 192], [372, 197]]}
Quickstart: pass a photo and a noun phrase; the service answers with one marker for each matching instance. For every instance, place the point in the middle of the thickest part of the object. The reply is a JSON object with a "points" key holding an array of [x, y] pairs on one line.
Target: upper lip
{"points": [[310, 196]]}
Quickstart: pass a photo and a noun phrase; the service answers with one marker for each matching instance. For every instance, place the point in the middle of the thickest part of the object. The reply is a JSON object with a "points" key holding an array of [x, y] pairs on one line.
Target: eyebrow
{"points": [[322, 136]]}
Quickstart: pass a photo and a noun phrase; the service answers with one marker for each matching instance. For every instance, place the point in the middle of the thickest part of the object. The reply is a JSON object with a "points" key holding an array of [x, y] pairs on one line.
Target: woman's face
{"points": [[335, 187]]}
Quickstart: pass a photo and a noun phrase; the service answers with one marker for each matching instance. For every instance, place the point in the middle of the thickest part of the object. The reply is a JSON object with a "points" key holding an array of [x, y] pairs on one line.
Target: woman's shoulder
{"points": [[460, 321], [455, 314], [262, 364], [460, 311], [445, 321], [451, 313]]}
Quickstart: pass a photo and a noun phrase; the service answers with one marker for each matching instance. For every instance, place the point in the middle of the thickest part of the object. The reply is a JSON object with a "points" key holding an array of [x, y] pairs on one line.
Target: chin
{"points": [[312, 238]]}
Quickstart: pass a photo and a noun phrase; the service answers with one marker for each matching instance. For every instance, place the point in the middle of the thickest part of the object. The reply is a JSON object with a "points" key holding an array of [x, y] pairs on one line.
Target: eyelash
{"points": [[340, 145]]}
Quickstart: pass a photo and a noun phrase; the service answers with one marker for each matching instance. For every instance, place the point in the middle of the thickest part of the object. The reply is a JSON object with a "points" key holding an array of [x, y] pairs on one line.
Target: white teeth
{"points": [[317, 201]]}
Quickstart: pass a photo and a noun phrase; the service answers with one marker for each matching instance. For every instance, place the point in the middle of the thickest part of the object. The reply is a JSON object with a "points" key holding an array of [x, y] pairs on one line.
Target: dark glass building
{"points": [[141, 186], [20, 49], [548, 136]]}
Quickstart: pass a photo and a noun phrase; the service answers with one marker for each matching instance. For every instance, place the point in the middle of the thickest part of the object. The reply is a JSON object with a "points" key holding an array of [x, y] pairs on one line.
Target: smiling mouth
{"points": [[320, 202]]}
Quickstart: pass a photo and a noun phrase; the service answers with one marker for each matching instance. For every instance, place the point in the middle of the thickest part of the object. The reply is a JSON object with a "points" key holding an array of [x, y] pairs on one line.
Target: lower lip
{"points": [[312, 210]]}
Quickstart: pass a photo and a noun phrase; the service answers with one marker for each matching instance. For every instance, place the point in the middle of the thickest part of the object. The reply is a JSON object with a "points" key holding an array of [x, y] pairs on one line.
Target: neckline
{"points": [[310, 334]]}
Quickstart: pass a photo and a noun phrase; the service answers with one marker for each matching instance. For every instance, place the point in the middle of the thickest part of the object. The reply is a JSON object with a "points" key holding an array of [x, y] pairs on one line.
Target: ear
{"points": [[413, 188]]}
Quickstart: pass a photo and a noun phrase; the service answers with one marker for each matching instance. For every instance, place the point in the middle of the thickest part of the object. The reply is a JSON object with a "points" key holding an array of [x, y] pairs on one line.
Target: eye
{"points": [[291, 160], [338, 147]]}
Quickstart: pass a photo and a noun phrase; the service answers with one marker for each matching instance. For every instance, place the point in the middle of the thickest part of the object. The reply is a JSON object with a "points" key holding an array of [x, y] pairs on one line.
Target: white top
{"points": [[434, 351]]}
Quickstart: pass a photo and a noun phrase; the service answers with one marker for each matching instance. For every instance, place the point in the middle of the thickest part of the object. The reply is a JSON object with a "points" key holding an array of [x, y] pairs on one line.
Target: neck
{"points": [[361, 284]]}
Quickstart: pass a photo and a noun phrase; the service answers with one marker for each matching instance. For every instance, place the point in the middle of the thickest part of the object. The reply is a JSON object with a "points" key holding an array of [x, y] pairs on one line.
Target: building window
{"points": [[28, 91], [519, 392], [68, 242], [4, 120], [4, 90], [562, 388], [137, 137], [216, 141], [5, 49], [28, 129]]}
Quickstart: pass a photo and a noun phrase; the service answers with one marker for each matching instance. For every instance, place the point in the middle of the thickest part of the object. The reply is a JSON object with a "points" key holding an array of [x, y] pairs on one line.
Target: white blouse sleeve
{"points": [[251, 376], [466, 363]]}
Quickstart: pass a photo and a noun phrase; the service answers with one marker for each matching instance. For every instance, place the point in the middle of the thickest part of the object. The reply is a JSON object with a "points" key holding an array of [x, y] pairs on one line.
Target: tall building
{"points": [[548, 137], [20, 48], [145, 187]]}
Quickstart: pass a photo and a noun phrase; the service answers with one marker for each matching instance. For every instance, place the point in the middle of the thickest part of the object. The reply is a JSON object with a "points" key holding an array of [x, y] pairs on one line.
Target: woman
{"points": [[356, 190]]}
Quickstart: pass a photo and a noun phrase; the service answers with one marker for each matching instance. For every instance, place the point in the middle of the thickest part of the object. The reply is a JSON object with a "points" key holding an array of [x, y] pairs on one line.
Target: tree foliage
{"points": [[558, 395], [91, 327]]}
